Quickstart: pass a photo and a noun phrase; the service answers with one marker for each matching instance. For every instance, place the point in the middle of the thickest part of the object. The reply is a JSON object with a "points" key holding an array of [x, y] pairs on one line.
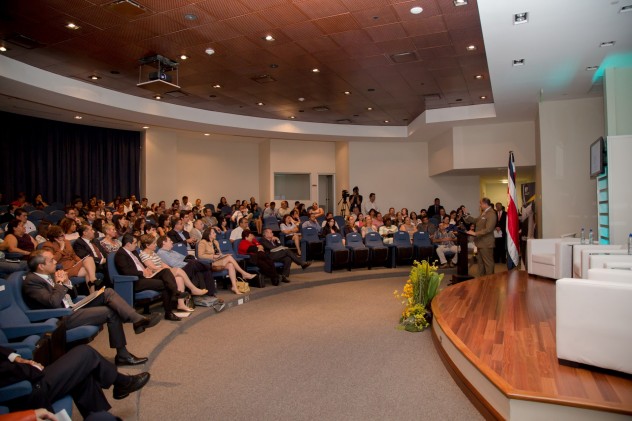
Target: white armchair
{"points": [[620, 259], [550, 257], [582, 253], [592, 320]]}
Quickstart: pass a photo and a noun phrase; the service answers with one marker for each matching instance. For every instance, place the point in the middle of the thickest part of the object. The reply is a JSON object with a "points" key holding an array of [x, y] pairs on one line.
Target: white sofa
{"points": [[593, 319], [550, 257], [582, 253], [610, 261]]}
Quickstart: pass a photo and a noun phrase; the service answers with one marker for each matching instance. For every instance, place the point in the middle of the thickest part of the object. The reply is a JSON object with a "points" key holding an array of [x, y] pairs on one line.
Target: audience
{"points": [[249, 245], [280, 253], [16, 240]]}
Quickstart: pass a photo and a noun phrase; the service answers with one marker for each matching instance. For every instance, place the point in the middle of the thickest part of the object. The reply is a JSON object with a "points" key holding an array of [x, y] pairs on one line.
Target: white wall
{"points": [[184, 163], [398, 175], [309, 157], [619, 189], [441, 153], [488, 145], [567, 194]]}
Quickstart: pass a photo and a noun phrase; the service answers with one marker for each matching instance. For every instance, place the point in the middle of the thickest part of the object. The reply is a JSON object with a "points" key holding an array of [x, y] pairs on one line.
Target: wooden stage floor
{"points": [[504, 325]]}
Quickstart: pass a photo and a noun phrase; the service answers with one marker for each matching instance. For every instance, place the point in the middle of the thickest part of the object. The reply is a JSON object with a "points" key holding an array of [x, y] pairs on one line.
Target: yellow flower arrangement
{"points": [[417, 294]]}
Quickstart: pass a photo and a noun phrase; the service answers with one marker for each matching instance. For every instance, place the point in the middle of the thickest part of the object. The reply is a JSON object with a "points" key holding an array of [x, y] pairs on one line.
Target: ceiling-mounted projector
{"points": [[155, 74]]}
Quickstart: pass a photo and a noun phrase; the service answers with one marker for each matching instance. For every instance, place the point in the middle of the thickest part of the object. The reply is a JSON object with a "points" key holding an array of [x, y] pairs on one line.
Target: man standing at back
{"points": [[434, 208], [484, 236]]}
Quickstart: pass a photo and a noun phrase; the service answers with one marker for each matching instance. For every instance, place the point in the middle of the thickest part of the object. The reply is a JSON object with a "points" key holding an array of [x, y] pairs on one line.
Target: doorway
{"points": [[326, 194]]}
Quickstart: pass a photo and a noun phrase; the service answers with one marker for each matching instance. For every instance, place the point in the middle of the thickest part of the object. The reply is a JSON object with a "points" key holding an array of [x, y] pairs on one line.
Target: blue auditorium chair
{"points": [[359, 252], [124, 286], [336, 255], [423, 249], [401, 249], [311, 244], [378, 252]]}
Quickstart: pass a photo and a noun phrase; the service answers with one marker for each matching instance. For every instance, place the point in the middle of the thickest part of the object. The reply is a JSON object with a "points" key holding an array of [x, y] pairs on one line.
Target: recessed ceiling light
{"points": [[369, 108], [478, 77], [460, 2], [416, 10], [94, 77], [260, 103], [315, 70], [184, 57], [607, 44], [209, 51], [483, 97], [72, 26], [590, 68], [207, 134], [301, 99], [217, 86], [518, 62], [386, 121], [190, 16], [347, 92], [269, 38], [274, 66], [3, 48], [78, 117], [145, 127], [471, 48], [521, 18], [292, 117], [625, 9], [157, 97]]}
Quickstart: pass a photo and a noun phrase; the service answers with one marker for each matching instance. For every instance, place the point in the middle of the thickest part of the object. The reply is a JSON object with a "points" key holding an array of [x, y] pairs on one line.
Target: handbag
{"points": [[242, 286]]}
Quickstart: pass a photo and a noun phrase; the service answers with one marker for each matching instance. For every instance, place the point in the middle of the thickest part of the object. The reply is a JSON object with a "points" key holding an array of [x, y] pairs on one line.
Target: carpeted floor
{"points": [[311, 349]]}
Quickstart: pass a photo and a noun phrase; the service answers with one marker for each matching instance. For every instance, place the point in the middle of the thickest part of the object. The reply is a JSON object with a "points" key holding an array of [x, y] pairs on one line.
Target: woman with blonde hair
{"points": [[110, 242], [208, 248]]}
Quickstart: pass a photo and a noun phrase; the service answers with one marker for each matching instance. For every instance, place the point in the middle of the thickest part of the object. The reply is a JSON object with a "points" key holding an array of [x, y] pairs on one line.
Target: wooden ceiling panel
{"points": [[362, 50], [374, 61], [248, 24], [159, 24], [178, 15], [128, 33], [256, 5], [467, 35], [425, 26], [339, 23], [461, 20], [451, 84], [302, 30], [283, 15], [355, 5], [239, 44], [98, 17], [188, 37], [447, 7], [316, 9], [375, 16], [432, 40], [288, 52], [442, 63], [217, 31], [67, 5], [396, 46], [223, 9], [350, 38], [163, 5], [436, 52], [386, 32], [319, 44]]}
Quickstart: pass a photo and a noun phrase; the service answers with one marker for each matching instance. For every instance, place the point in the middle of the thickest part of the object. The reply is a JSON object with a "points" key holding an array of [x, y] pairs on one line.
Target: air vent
{"points": [[23, 41], [264, 79], [406, 57], [432, 97], [321, 108], [126, 8], [344, 121]]}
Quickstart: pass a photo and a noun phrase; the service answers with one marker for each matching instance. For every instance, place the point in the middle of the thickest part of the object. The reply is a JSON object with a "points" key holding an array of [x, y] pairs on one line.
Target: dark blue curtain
{"points": [[61, 160]]}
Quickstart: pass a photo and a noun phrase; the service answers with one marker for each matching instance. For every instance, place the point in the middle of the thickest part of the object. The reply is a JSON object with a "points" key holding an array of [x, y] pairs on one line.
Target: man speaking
{"points": [[484, 236]]}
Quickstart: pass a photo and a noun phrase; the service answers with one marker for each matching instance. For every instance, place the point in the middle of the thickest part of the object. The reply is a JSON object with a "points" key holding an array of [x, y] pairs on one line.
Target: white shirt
{"points": [[370, 205], [236, 234]]}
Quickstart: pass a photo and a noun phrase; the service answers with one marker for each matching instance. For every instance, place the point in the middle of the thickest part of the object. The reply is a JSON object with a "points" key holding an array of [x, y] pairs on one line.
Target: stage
{"points": [[496, 335]]}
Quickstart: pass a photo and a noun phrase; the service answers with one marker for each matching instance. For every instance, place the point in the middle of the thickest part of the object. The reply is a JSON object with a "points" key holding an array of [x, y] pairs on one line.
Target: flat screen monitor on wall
{"points": [[597, 158]]}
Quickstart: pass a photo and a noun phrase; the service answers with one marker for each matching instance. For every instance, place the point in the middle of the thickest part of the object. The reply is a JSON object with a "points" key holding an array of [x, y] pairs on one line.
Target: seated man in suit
{"points": [[85, 246], [284, 255], [81, 373], [128, 262], [179, 235], [44, 287]]}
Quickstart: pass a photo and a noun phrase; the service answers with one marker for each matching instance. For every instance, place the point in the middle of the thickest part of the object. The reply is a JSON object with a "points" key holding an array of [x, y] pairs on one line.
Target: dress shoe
{"points": [[146, 322], [131, 360], [135, 383], [306, 265], [172, 317], [285, 279]]}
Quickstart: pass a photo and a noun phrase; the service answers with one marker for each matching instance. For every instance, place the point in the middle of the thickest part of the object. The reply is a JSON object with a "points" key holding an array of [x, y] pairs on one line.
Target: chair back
{"points": [[340, 220], [421, 239], [48, 209], [401, 239], [58, 205], [373, 239], [236, 246], [226, 211], [36, 215], [225, 246], [334, 241], [303, 218], [16, 280], [10, 312], [55, 216], [181, 248], [354, 241], [272, 223], [310, 234], [210, 206]]}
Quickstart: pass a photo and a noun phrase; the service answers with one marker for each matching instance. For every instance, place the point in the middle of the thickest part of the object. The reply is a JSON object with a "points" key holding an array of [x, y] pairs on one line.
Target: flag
{"points": [[513, 245]]}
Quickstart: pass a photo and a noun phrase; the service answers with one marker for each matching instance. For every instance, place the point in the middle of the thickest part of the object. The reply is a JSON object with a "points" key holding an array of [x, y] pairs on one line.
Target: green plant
{"points": [[420, 288]]}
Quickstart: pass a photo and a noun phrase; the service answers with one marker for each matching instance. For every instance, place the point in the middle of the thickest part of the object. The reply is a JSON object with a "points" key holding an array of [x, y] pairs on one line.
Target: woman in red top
{"points": [[249, 245]]}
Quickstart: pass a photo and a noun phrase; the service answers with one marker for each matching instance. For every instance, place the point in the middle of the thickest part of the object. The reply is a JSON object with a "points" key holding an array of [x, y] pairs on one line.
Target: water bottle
{"points": [[630, 244], [582, 238], [590, 237]]}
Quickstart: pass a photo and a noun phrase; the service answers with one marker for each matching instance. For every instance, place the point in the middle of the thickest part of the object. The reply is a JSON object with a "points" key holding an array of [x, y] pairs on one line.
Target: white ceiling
{"points": [[560, 40]]}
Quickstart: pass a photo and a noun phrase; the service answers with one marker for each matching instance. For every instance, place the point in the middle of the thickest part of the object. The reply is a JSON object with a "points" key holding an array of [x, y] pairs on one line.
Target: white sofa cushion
{"points": [[599, 261], [546, 259], [592, 322], [580, 265]]}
